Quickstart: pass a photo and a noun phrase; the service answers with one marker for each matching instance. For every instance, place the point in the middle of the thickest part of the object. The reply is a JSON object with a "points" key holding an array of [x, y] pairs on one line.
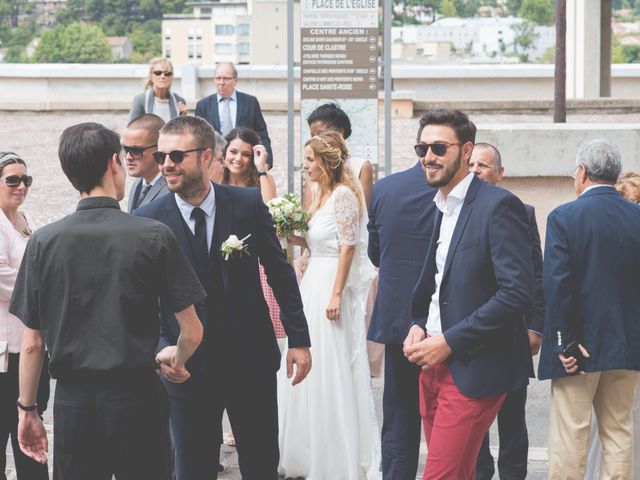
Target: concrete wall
{"points": [[105, 87], [549, 150]]}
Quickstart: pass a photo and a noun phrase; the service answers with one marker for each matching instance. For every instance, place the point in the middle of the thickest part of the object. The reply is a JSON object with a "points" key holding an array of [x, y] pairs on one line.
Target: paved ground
{"points": [[35, 136]]}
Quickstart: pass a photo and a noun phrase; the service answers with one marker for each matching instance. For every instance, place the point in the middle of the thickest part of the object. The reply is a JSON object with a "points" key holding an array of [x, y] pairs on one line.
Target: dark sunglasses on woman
{"points": [[14, 180], [157, 73]]}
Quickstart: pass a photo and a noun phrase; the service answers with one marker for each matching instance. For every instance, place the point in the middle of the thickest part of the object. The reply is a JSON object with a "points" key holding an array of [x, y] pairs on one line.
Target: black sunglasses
{"points": [[136, 152], [176, 156], [438, 149], [14, 180], [157, 73]]}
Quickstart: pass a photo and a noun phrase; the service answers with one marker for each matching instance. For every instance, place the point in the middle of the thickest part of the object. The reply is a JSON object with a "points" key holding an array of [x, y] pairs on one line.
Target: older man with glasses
{"points": [[228, 109], [139, 142]]}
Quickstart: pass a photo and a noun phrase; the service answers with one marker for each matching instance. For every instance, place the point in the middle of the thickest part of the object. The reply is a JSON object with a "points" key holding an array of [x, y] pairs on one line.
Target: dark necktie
{"points": [[143, 194], [201, 226]]}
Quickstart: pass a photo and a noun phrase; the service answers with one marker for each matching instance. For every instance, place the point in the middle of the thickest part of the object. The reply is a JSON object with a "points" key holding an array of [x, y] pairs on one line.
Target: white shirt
{"points": [[162, 109], [233, 108], [152, 182], [208, 206], [450, 208]]}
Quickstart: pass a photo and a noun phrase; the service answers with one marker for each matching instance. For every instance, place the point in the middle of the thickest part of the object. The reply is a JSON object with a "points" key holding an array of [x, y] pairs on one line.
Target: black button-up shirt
{"points": [[91, 283]]}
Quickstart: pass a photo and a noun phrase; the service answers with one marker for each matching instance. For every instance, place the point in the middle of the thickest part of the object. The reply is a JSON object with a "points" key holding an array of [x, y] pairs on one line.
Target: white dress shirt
{"points": [[591, 187], [233, 109], [152, 182], [450, 208], [208, 206]]}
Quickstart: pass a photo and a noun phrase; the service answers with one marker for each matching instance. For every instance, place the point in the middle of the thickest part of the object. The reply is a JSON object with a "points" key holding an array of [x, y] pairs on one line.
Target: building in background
{"points": [[121, 47], [471, 39], [242, 32]]}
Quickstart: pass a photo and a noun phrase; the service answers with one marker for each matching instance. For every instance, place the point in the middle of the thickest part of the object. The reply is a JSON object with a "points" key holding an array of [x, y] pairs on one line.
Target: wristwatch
{"points": [[262, 173]]}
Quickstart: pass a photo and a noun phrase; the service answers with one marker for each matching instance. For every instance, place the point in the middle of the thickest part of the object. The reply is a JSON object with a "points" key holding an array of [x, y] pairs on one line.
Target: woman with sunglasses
{"points": [[14, 234], [157, 97]]}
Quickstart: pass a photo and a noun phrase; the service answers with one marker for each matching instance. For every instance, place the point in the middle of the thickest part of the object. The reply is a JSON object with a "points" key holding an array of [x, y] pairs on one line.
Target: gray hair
{"points": [[221, 143], [602, 160], [497, 158], [230, 64]]}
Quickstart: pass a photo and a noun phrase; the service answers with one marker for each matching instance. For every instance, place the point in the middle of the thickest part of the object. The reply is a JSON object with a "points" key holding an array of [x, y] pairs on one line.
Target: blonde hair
{"points": [[167, 66], [331, 154], [629, 186]]}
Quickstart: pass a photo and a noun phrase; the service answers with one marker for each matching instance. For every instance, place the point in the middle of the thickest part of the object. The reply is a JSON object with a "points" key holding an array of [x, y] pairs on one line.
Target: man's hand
{"points": [[571, 364], [32, 436], [416, 334], [535, 340], [301, 358], [429, 352], [168, 369]]}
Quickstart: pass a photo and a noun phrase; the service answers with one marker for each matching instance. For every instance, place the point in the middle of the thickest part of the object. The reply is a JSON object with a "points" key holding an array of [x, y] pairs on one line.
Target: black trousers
{"points": [[401, 416], [514, 441], [106, 426], [26, 469], [250, 399]]}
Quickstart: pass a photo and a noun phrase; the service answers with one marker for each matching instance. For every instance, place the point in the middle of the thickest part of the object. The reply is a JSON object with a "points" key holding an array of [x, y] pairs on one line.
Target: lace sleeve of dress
{"points": [[345, 207]]}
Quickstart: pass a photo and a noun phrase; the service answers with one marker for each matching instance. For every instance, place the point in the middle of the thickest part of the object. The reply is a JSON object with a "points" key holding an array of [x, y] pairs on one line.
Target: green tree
{"points": [[542, 12], [77, 42], [448, 9], [467, 8], [549, 55], [631, 53], [146, 40], [617, 52], [525, 37]]}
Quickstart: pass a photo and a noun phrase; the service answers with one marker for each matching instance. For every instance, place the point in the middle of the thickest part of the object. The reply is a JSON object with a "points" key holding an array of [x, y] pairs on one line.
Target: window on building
{"points": [[198, 33], [167, 52], [199, 51], [191, 32], [224, 48], [167, 33], [243, 29], [243, 48], [190, 51], [224, 29]]}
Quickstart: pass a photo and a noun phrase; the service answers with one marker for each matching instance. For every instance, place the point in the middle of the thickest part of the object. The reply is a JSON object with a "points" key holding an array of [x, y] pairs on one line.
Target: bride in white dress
{"points": [[328, 427]]}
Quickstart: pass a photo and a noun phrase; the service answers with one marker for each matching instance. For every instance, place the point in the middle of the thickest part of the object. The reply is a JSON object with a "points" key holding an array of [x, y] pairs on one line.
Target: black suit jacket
{"points": [[235, 316], [486, 290], [401, 215], [248, 114]]}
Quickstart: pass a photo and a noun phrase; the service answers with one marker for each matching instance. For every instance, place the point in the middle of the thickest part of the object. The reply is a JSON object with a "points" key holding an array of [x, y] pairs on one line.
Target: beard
{"points": [[443, 176], [192, 185]]}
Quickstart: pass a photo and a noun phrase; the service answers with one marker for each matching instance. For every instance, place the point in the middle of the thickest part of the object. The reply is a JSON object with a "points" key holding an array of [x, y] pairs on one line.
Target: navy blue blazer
{"points": [[235, 314], [535, 316], [248, 114], [591, 282], [401, 215], [485, 292]]}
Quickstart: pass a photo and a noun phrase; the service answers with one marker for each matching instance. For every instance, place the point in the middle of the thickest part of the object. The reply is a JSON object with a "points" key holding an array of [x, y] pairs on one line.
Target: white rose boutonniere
{"points": [[233, 245]]}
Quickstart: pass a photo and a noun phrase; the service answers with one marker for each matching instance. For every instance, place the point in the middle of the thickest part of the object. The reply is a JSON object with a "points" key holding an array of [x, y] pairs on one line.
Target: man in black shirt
{"points": [[88, 287]]}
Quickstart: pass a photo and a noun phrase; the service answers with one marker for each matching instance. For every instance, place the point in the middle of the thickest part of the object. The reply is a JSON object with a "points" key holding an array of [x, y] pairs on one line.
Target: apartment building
{"points": [[238, 31]]}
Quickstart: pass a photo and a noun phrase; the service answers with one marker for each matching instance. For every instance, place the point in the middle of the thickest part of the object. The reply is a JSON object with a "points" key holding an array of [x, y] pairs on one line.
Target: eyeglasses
{"points": [[176, 156], [224, 79], [136, 152], [438, 149], [158, 73], [15, 180]]}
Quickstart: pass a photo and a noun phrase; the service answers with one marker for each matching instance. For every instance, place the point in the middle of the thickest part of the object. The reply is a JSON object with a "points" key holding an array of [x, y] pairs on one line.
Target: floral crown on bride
{"points": [[331, 149]]}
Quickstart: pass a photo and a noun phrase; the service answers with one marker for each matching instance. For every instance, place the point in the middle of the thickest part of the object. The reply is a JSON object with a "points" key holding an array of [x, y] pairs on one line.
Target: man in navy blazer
{"points": [[591, 285], [401, 215], [486, 163], [468, 305], [235, 367], [229, 108]]}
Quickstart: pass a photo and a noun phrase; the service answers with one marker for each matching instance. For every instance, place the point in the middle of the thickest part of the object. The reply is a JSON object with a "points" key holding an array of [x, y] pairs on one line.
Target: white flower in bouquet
{"points": [[288, 215]]}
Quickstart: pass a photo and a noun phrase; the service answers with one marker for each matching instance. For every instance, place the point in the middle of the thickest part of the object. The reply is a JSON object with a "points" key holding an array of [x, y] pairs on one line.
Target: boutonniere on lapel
{"points": [[233, 245]]}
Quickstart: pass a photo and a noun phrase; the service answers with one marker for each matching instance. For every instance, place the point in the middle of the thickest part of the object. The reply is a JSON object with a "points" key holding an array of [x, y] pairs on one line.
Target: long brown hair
{"points": [[331, 154], [247, 136]]}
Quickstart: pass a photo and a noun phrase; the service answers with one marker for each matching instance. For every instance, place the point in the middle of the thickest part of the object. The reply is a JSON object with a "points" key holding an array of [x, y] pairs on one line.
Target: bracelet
{"points": [[25, 408], [262, 173]]}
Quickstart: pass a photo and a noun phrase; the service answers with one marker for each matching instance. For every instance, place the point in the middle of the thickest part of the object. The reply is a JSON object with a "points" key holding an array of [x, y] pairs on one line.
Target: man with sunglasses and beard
{"points": [[476, 284], [236, 367], [139, 141]]}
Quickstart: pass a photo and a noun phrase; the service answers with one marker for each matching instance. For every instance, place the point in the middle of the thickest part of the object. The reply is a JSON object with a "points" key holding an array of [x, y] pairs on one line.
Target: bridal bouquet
{"points": [[288, 215]]}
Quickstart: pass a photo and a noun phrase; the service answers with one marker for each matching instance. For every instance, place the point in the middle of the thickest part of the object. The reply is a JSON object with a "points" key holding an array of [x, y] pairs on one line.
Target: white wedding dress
{"points": [[328, 427]]}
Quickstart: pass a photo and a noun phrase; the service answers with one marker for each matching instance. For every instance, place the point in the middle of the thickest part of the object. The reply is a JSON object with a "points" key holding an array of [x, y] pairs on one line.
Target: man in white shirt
{"points": [[475, 287], [139, 141]]}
